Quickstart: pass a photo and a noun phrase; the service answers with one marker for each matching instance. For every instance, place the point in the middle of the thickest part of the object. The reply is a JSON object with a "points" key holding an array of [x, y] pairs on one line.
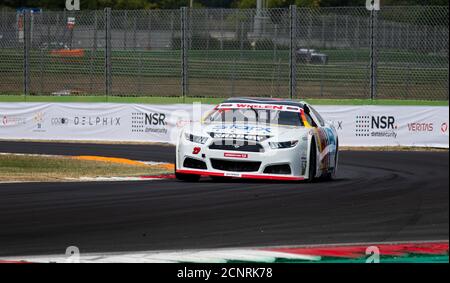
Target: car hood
{"points": [[235, 130]]}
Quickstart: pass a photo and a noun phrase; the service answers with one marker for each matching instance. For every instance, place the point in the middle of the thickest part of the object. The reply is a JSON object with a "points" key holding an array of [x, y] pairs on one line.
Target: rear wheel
{"points": [[332, 174], [312, 162]]}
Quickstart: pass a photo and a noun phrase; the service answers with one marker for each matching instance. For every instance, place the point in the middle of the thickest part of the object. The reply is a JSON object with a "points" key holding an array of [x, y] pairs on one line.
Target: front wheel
{"points": [[187, 177]]}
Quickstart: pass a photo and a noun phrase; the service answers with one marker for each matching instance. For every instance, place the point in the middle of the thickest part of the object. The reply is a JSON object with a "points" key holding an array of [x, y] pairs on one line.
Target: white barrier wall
{"points": [[357, 125]]}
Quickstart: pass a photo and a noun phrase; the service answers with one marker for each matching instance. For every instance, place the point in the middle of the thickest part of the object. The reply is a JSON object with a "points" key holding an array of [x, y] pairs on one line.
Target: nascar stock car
{"points": [[258, 138]]}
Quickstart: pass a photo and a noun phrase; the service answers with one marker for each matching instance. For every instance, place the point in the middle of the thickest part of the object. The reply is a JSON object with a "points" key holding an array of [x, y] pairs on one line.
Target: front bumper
{"points": [[240, 175], [295, 157]]}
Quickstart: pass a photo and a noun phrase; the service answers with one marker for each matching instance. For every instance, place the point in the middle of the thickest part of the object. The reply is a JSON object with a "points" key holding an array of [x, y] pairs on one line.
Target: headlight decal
{"points": [[195, 139], [287, 144]]}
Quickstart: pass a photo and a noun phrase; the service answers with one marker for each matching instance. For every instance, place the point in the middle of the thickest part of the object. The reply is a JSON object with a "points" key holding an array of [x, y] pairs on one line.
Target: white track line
{"points": [[259, 254], [206, 256]]}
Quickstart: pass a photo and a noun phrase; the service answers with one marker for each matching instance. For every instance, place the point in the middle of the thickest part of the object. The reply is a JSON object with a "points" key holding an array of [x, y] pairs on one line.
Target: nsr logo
{"points": [[383, 122], [156, 119]]}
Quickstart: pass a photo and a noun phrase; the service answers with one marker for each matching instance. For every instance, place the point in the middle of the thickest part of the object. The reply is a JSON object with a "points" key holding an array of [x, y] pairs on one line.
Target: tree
{"points": [[175, 4]]}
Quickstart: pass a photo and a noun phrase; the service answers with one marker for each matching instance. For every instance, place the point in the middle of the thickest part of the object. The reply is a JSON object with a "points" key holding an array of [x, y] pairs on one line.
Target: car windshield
{"points": [[251, 115]]}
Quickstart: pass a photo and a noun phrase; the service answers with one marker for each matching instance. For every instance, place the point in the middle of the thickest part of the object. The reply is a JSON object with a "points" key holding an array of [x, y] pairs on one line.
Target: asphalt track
{"points": [[378, 197]]}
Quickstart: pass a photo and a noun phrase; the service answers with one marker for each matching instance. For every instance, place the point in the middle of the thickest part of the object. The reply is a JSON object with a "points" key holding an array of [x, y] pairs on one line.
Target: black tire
{"points": [[312, 162], [332, 175], [186, 177]]}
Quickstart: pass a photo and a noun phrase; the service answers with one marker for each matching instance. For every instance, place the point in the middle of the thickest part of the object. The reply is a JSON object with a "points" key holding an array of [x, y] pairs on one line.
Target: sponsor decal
{"points": [[420, 127], [39, 119], [258, 106], [96, 121], [338, 125], [196, 150], [236, 175], [245, 128], [154, 123], [376, 126], [59, 121], [239, 136], [181, 123], [235, 155], [9, 121]]}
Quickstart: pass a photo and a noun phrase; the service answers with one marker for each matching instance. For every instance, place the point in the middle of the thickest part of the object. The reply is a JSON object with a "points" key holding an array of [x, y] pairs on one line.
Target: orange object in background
{"points": [[68, 52]]}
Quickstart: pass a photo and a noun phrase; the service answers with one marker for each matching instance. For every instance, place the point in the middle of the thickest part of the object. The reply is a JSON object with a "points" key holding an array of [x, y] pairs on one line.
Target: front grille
{"points": [[283, 169], [235, 166], [194, 163], [236, 146]]}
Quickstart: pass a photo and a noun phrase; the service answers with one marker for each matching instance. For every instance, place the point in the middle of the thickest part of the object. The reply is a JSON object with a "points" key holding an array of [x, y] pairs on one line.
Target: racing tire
{"points": [[186, 177], [312, 163], [332, 175]]}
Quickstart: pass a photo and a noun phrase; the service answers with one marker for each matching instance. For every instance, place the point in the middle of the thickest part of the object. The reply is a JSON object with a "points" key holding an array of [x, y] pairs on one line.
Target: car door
{"points": [[325, 137]]}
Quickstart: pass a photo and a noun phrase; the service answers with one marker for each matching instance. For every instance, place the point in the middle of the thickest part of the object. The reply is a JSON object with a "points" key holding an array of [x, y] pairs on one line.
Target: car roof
{"points": [[258, 100]]}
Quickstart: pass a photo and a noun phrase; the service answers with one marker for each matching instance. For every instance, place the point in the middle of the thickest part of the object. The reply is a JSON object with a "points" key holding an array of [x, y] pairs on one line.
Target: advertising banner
{"points": [[420, 126]]}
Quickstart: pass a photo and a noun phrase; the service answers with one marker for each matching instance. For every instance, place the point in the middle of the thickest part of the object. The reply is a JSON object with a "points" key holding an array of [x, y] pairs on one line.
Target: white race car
{"points": [[258, 138]]}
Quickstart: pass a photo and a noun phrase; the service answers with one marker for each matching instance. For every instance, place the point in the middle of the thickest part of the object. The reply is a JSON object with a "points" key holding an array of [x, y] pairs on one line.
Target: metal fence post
{"points": [[275, 43], [41, 57], [93, 53], [172, 28], [208, 35], [107, 52], [323, 32], [26, 51], [241, 41], [335, 31], [184, 51], [221, 28], [292, 51], [373, 53], [95, 30], [125, 30], [149, 35], [140, 74], [134, 34]]}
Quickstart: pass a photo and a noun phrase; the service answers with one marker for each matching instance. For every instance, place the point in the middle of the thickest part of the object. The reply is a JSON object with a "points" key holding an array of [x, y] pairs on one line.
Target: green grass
{"points": [[47, 168], [401, 74], [175, 100]]}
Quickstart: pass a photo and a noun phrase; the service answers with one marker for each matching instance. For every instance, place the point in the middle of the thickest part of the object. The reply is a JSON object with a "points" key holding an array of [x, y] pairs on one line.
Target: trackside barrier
{"points": [[418, 126]]}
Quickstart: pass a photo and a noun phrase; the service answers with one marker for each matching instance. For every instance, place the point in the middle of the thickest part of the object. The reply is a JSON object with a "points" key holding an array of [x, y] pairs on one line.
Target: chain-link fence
{"points": [[394, 53]]}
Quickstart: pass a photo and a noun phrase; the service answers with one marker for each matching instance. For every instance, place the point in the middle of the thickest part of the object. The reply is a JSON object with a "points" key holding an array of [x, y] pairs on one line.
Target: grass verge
{"points": [[208, 100], [31, 168]]}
